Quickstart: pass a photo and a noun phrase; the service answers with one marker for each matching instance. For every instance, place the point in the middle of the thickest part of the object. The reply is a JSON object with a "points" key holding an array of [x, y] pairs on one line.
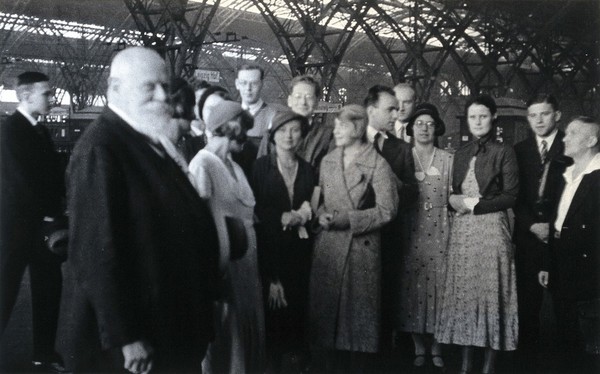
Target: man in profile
{"points": [[32, 193], [406, 106], [572, 269], [143, 254], [382, 112]]}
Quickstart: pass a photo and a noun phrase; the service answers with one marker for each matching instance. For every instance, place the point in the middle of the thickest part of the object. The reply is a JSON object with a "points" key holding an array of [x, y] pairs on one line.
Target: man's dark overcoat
{"points": [[142, 261], [32, 187]]}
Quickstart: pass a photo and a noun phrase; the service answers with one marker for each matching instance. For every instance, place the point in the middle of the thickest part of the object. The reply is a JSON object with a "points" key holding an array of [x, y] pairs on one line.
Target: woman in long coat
{"points": [[283, 184], [240, 333], [359, 196]]}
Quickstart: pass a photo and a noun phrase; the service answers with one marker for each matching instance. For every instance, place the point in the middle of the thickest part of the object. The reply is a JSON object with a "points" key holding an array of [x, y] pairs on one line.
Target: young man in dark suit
{"points": [[539, 177], [382, 111], [32, 192], [572, 269], [142, 266]]}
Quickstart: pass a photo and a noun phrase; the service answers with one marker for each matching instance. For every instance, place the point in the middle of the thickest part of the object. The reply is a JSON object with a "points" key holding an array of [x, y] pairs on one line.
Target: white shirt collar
{"points": [[371, 132], [29, 117], [253, 108], [593, 165], [549, 140]]}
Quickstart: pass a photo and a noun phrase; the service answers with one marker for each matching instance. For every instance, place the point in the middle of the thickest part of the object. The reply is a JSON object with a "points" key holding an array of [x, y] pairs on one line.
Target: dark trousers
{"points": [[23, 247], [530, 295]]}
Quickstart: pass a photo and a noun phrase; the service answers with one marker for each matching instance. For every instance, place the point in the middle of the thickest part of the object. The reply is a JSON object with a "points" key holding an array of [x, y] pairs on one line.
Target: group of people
{"points": [[210, 235]]}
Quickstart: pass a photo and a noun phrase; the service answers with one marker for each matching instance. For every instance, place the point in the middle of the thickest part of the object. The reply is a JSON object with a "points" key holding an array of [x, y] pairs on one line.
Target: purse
{"points": [[588, 315]]}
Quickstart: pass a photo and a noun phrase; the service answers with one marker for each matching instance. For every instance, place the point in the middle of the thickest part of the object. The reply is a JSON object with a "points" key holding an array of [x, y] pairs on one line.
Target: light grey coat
{"points": [[345, 282]]}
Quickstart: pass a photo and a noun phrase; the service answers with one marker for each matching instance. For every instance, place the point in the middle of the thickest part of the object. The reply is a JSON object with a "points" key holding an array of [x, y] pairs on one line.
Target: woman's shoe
{"points": [[437, 360], [419, 361]]}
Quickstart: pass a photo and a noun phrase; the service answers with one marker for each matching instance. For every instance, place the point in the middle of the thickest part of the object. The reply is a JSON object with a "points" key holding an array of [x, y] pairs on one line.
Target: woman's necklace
{"points": [[420, 175]]}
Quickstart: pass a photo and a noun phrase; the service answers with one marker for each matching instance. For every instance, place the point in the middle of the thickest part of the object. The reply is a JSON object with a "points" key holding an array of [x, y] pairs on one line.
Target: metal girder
{"points": [[307, 37], [175, 29], [77, 55]]}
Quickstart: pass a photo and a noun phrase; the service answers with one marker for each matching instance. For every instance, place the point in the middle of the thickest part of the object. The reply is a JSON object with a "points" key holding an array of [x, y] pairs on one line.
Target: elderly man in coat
{"points": [[359, 197], [142, 262]]}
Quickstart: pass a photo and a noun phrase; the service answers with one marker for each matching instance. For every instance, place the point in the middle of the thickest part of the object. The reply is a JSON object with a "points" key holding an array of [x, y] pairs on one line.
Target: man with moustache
{"points": [[143, 253], [539, 177], [406, 106]]}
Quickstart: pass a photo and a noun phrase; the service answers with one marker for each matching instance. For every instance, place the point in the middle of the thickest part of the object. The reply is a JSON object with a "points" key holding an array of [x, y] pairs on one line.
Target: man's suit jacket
{"points": [[529, 208], [32, 181], [398, 154], [574, 259], [143, 255]]}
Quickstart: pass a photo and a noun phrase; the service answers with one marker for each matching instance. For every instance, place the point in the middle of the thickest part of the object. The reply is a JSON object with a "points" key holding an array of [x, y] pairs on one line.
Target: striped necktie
{"points": [[544, 151]]}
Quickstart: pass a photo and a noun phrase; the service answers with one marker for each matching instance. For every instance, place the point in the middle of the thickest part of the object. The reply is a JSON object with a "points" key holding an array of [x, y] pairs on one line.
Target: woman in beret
{"points": [[283, 184]]}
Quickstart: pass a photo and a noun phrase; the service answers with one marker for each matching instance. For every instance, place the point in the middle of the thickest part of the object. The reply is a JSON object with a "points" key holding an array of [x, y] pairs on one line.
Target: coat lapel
{"points": [[581, 196], [557, 146]]}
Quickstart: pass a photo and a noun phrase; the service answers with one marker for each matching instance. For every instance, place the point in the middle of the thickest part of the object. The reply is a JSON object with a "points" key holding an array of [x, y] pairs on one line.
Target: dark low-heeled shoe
{"points": [[419, 361]]}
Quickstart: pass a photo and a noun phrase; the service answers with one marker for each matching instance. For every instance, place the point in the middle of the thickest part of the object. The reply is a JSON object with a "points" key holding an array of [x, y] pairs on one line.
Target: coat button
{"points": [[367, 242]]}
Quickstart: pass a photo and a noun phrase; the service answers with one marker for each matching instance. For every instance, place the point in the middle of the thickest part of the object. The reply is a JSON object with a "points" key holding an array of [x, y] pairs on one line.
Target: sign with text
{"points": [[326, 107], [211, 76]]}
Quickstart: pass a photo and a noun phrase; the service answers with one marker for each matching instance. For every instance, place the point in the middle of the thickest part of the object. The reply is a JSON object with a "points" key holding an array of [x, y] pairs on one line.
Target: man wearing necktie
{"points": [[32, 193], [382, 112], [142, 267], [249, 83], [539, 175]]}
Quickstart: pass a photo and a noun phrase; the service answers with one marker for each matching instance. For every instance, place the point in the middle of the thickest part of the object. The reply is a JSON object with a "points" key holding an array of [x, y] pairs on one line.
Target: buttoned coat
{"points": [[143, 253], [345, 284]]}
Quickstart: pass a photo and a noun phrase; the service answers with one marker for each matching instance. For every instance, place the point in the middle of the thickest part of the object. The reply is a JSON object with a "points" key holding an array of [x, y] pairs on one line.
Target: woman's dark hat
{"points": [[284, 116], [426, 108]]}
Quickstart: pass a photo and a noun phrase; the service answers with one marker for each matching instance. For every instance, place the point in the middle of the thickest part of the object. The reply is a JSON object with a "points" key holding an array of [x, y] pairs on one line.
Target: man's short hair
{"points": [[543, 98], [373, 94], [405, 85], [31, 77], [252, 67], [592, 122], [308, 79]]}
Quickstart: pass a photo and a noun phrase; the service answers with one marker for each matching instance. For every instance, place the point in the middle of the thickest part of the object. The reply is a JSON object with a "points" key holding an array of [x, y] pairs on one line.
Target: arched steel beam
{"points": [[174, 28]]}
